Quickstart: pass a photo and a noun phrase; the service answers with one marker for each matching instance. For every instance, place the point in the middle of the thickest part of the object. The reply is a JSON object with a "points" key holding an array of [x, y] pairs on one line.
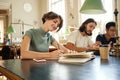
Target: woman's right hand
{"points": [[56, 53]]}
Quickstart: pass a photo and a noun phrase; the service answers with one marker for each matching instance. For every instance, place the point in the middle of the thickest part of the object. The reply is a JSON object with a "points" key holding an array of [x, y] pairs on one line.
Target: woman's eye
{"points": [[55, 21]]}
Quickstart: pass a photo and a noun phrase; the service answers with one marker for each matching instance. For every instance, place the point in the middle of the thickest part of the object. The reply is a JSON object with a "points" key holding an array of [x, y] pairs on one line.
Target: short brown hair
{"points": [[51, 15]]}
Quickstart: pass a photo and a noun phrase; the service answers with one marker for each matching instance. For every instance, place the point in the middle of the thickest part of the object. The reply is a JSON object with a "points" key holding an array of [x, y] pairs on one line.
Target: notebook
{"points": [[75, 58]]}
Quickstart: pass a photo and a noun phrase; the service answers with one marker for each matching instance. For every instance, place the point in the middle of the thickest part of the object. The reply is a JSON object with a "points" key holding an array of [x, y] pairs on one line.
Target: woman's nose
{"points": [[56, 25]]}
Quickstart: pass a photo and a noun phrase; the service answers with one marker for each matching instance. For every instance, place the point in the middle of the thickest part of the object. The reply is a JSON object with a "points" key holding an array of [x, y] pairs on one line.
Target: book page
{"points": [[73, 58]]}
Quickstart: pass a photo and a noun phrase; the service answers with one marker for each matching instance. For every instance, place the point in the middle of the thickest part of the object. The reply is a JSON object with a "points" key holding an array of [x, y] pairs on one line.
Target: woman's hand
{"points": [[56, 53]]}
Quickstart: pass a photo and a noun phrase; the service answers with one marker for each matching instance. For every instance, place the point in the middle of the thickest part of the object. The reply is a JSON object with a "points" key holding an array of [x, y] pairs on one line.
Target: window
{"points": [[58, 6], [1, 30], [101, 19]]}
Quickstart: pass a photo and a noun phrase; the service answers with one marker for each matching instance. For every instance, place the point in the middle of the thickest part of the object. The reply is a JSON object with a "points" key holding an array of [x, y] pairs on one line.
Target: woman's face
{"points": [[90, 27], [53, 24]]}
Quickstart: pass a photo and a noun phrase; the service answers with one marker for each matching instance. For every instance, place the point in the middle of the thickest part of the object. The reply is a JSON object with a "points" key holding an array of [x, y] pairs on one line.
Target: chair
{"points": [[7, 53]]}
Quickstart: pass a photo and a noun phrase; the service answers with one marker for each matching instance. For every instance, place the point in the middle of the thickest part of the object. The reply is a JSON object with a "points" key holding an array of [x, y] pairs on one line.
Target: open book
{"points": [[74, 58]]}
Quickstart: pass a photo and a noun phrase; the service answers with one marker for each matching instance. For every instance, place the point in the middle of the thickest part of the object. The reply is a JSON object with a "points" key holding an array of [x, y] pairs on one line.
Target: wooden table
{"points": [[96, 69]]}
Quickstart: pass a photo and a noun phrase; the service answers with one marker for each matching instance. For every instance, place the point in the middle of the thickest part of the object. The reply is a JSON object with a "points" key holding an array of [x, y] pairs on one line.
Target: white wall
{"points": [[18, 13], [31, 17]]}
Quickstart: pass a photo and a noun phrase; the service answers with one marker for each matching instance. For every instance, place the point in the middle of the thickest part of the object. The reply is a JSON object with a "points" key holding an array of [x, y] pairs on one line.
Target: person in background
{"points": [[36, 42], [79, 40], [109, 37]]}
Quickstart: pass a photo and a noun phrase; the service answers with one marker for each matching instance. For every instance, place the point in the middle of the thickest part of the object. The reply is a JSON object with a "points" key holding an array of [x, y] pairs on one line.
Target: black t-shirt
{"points": [[103, 40]]}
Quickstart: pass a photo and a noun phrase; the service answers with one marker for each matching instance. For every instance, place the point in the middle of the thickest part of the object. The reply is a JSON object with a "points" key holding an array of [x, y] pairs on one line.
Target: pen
{"points": [[58, 47]]}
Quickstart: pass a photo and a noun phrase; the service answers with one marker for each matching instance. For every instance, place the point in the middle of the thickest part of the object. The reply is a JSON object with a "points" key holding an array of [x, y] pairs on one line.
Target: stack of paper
{"points": [[74, 58]]}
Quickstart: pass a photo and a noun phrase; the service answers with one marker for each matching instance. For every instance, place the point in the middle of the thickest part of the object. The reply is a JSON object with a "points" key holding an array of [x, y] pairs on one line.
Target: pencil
{"points": [[58, 47]]}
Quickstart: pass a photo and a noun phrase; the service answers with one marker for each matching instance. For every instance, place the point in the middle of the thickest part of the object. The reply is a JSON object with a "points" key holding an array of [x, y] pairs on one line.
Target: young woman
{"points": [[36, 42]]}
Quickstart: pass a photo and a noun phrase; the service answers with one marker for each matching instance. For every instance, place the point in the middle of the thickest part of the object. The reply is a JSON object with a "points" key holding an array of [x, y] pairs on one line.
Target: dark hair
{"points": [[52, 15], [89, 20], [110, 24]]}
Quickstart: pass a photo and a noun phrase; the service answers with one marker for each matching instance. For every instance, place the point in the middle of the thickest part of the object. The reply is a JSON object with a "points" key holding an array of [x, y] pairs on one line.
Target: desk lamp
{"points": [[10, 30]]}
